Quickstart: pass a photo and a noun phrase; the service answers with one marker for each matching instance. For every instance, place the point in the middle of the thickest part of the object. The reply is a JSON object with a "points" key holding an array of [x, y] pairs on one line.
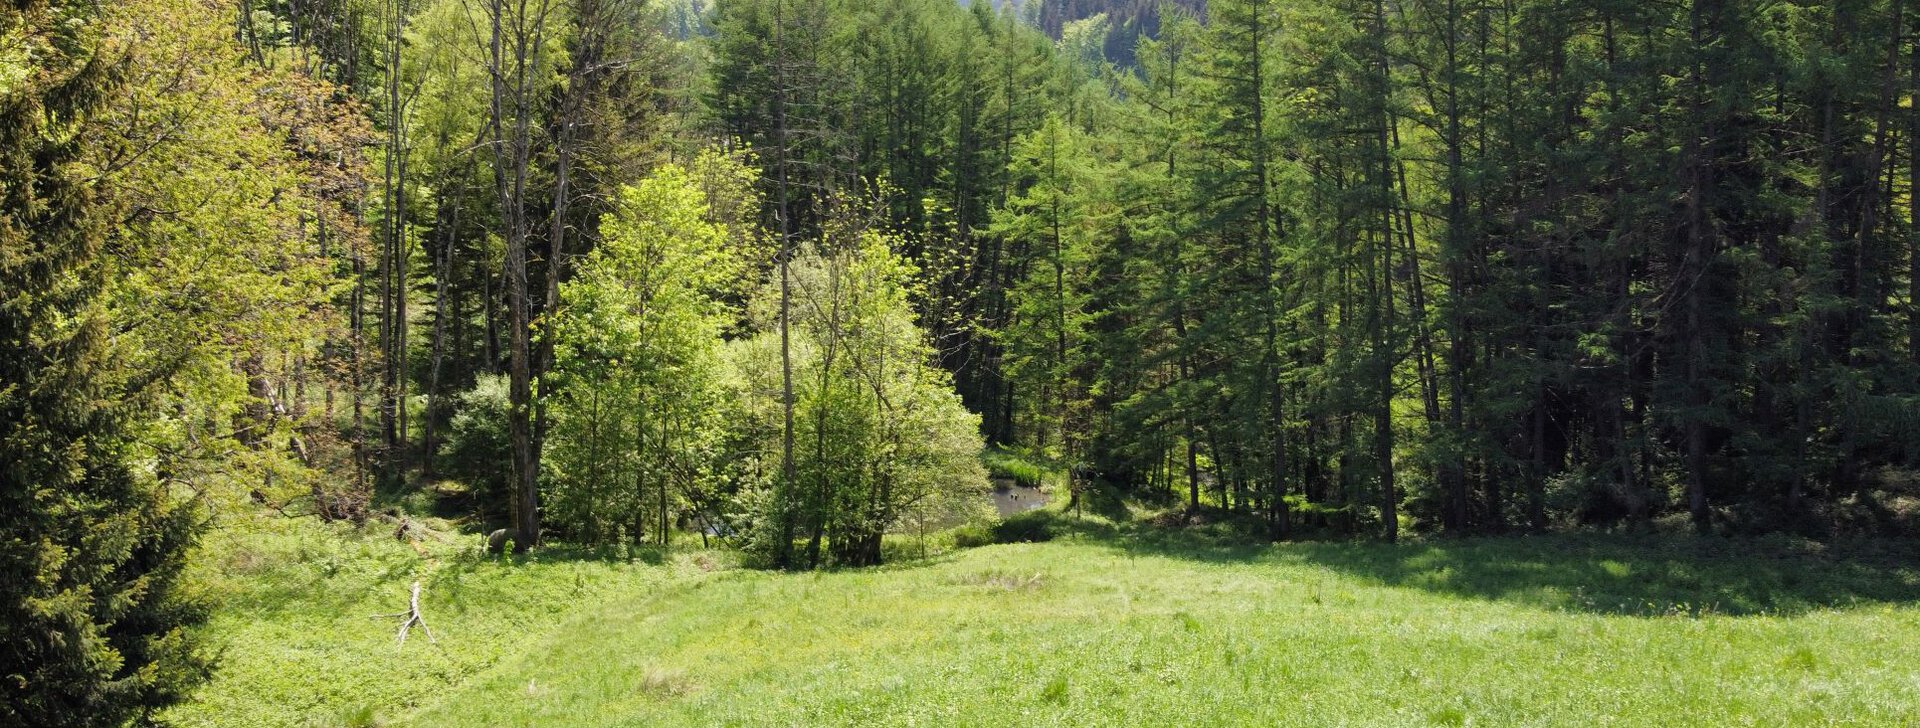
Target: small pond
{"points": [[1011, 499]]}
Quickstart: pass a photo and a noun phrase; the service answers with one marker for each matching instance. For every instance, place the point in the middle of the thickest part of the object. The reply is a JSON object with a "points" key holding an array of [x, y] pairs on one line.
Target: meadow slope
{"points": [[1102, 626]]}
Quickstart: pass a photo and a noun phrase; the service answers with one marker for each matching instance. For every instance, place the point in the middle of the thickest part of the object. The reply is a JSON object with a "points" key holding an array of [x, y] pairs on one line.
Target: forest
{"points": [[1600, 312]]}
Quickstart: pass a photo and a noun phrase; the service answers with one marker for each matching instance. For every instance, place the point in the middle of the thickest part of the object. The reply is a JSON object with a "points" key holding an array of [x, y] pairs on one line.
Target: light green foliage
{"points": [[880, 435], [446, 74], [635, 400], [730, 193], [474, 452], [1025, 468], [221, 279]]}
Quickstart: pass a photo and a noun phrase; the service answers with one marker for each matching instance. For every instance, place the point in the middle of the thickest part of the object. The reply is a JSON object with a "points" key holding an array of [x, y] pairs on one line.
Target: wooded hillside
{"points": [[774, 274]]}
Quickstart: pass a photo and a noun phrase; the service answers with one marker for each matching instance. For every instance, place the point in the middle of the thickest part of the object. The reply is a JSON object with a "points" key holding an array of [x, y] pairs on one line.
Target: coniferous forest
{"points": [[1386, 313]]}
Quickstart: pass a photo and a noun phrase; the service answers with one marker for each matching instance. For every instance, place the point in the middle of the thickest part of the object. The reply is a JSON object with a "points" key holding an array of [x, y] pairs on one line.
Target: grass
{"points": [[1102, 625], [1022, 467], [295, 603]]}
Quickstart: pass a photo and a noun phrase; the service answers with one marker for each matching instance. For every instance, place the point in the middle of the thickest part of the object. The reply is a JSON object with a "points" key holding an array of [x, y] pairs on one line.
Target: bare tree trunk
{"points": [[1383, 341], [387, 244], [357, 342], [393, 324], [783, 551], [490, 311], [639, 473], [443, 275], [510, 172]]}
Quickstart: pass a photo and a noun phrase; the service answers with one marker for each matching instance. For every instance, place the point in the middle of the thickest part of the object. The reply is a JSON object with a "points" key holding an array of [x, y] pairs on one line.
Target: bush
{"points": [[1323, 517], [1029, 527], [479, 449], [972, 535]]}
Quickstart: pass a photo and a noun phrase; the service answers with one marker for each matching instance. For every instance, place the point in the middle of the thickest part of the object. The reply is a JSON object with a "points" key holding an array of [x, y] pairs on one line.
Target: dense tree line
{"points": [[1491, 265], [1484, 266], [772, 271]]}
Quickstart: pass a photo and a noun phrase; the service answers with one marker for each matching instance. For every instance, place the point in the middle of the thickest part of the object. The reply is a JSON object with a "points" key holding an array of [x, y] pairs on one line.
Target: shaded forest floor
{"points": [[1104, 624]]}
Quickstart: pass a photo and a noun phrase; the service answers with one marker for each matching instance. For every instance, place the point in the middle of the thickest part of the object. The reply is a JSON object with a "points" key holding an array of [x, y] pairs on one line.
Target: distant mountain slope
{"points": [[1128, 20]]}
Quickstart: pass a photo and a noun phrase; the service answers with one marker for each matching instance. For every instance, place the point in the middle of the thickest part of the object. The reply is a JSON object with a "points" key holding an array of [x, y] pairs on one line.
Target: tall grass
{"points": [[1105, 623], [1023, 467]]}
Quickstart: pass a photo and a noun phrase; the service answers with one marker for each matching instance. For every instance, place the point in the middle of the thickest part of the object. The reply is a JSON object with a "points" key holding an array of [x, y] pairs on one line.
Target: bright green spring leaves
{"points": [[637, 362], [881, 440]]}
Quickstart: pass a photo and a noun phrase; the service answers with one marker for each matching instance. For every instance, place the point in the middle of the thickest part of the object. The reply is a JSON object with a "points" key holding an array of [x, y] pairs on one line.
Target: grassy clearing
{"points": [[1099, 626], [294, 603]]}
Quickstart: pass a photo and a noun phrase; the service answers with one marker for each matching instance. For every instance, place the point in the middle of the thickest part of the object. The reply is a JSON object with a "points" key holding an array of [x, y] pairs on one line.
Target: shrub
{"points": [[972, 535], [478, 450], [1029, 527], [1333, 519]]}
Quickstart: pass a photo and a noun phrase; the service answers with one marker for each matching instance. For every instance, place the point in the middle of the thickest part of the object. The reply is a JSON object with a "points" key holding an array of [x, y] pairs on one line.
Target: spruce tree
{"points": [[92, 626]]}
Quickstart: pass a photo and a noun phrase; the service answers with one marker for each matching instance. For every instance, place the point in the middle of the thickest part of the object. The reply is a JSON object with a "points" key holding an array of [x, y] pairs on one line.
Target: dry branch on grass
{"points": [[410, 617]]}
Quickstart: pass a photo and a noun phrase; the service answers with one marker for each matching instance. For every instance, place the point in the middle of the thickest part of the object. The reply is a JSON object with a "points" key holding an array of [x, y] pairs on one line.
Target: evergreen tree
{"points": [[92, 623]]}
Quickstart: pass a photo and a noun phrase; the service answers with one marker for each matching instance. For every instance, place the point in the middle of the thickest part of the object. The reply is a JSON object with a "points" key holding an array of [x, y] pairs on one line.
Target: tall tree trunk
{"points": [[443, 275], [357, 342], [1459, 348], [1384, 348], [1913, 207], [512, 149], [1062, 400], [1279, 519], [783, 550], [1697, 257], [389, 240], [489, 298]]}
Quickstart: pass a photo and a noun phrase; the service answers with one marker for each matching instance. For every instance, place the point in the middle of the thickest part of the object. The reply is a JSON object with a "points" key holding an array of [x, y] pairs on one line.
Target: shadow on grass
{"points": [[1628, 574], [1638, 575]]}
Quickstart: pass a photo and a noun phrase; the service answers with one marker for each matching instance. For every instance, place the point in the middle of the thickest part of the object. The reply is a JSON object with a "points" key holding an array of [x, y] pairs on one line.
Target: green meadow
{"points": [[1100, 624]]}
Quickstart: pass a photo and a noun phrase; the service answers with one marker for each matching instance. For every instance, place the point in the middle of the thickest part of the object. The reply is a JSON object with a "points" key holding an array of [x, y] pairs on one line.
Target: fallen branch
{"points": [[408, 528], [412, 616], [260, 498]]}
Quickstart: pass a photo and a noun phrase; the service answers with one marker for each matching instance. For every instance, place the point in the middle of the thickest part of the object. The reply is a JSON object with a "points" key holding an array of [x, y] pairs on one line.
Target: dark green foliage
{"points": [[477, 446], [1481, 266], [1029, 527], [972, 536], [915, 105], [92, 625], [1128, 21]]}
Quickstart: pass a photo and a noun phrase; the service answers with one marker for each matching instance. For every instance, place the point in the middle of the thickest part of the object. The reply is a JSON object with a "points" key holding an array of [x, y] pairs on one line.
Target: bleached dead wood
{"points": [[410, 618]]}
